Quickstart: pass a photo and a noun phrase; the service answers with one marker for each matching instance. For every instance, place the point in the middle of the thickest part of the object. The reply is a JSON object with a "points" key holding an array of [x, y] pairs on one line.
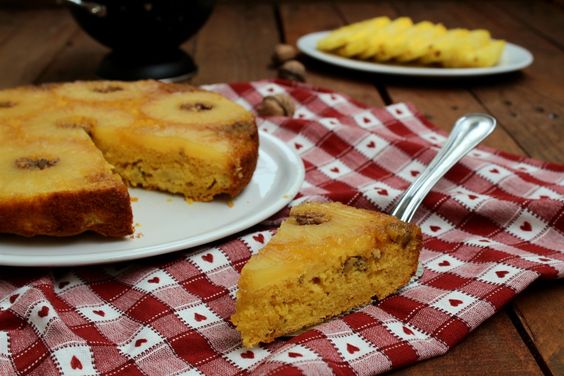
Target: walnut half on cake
{"points": [[325, 259]]}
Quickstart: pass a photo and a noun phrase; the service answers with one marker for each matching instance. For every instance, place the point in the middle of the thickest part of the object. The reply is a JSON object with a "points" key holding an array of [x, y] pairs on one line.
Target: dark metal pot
{"points": [[144, 35]]}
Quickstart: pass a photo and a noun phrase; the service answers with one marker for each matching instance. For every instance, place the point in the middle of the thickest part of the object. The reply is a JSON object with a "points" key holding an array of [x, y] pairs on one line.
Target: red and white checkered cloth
{"points": [[492, 226]]}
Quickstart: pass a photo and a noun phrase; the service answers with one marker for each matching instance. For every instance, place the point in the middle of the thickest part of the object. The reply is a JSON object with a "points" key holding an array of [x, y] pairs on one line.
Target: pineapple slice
{"points": [[389, 31], [325, 259], [359, 42], [381, 39], [338, 38], [197, 109], [23, 101], [398, 43], [418, 44], [443, 48], [106, 91]]}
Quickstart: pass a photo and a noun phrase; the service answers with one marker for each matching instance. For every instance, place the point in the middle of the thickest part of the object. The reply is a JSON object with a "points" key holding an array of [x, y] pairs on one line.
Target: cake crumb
{"points": [[137, 235], [189, 201], [169, 199], [138, 225], [230, 203], [134, 199]]}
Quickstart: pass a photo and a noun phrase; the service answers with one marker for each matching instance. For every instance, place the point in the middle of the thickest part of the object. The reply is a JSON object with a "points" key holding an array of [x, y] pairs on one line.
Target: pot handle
{"points": [[91, 7]]}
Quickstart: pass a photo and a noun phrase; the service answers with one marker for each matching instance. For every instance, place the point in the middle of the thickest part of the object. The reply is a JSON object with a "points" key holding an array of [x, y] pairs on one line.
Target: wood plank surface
{"points": [[37, 38], [530, 105], [540, 309], [541, 16], [236, 44], [490, 350]]}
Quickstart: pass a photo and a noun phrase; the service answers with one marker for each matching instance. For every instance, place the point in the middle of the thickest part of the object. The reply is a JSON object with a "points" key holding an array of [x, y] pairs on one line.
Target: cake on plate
{"points": [[67, 150], [325, 259]]}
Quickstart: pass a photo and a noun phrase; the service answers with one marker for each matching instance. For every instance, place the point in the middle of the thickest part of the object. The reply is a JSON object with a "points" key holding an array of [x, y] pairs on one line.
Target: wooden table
{"points": [[45, 45]]}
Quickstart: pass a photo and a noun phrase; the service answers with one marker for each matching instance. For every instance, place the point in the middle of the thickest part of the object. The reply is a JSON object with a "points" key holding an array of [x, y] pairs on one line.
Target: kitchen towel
{"points": [[491, 227]]}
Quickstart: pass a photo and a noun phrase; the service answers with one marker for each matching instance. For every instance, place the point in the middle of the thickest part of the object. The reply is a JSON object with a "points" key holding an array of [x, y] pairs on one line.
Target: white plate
{"points": [[514, 58], [168, 223]]}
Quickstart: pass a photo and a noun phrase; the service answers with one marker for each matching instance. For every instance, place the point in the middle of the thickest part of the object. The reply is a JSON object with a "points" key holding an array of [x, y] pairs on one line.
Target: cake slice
{"points": [[325, 259], [55, 182]]}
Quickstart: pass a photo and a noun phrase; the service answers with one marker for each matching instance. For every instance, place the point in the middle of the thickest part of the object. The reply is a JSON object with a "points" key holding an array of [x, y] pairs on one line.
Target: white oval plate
{"points": [[514, 58], [167, 223]]}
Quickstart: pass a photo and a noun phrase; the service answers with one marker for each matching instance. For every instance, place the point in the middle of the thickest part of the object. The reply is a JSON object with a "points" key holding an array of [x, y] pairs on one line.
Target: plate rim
{"points": [[97, 258], [304, 41]]}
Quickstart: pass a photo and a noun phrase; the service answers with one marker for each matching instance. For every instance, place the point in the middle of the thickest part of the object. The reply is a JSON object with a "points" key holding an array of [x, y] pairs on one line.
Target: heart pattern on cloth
{"points": [[352, 348], [13, 298], [259, 238], [526, 226], [494, 171], [75, 363], [371, 145], [99, 312], [208, 257], [335, 170], [472, 197], [44, 311], [434, 228], [414, 173], [210, 288], [199, 317], [154, 280], [298, 146], [366, 120], [407, 331], [382, 192], [501, 273], [544, 259]]}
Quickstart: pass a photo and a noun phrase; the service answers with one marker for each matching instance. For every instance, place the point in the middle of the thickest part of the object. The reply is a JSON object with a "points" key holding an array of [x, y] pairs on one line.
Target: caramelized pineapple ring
{"points": [[106, 90], [76, 117], [196, 108], [19, 102]]}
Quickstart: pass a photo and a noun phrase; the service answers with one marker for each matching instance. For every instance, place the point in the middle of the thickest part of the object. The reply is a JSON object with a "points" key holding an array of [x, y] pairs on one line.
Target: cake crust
{"points": [[106, 212]]}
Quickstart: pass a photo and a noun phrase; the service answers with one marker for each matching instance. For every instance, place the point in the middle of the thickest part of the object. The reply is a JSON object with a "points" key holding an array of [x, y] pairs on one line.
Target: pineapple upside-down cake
{"points": [[66, 149]]}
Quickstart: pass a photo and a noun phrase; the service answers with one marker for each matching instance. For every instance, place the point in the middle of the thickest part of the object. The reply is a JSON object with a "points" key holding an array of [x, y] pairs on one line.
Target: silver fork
{"points": [[468, 131]]}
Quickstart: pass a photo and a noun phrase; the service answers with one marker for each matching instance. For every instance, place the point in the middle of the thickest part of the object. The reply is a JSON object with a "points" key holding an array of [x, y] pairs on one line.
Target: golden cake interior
{"points": [[325, 259]]}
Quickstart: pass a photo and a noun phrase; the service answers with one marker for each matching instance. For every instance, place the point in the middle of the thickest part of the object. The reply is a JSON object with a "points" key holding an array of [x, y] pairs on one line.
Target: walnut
{"points": [[310, 218], [355, 263], [26, 163], [283, 53], [399, 232], [197, 107], [276, 105], [107, 89], [292, 70]]}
